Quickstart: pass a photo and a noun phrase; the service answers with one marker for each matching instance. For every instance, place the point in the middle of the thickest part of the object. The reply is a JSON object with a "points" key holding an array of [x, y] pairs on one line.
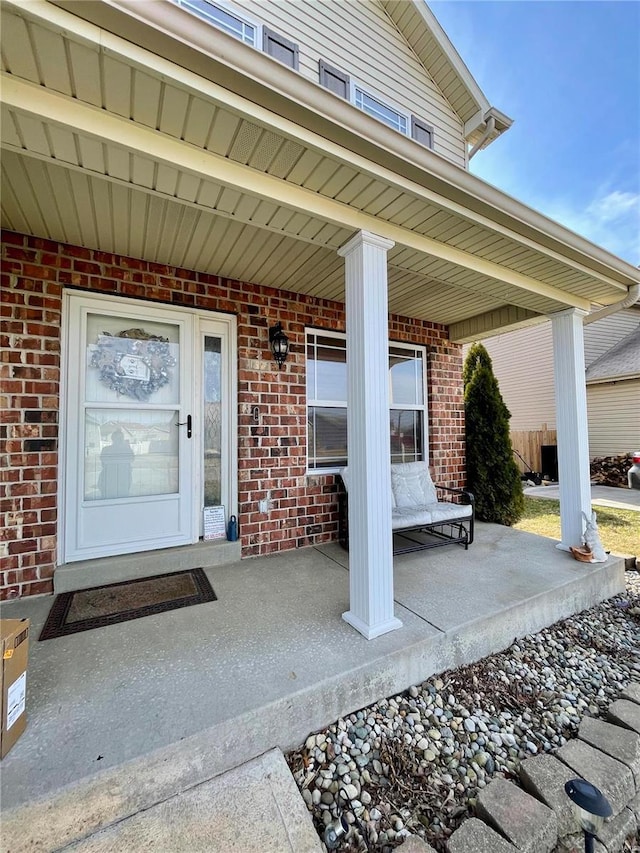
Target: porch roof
{"points": [[240, 167]]}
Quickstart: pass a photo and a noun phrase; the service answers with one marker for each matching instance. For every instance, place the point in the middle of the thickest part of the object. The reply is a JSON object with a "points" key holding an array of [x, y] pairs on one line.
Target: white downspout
{"points": [[491, 126], [630, 299]]}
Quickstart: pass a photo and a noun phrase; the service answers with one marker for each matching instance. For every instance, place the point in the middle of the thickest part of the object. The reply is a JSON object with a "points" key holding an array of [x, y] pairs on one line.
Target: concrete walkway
{"points": [[600, 495], [130, 716], [252, 809]]}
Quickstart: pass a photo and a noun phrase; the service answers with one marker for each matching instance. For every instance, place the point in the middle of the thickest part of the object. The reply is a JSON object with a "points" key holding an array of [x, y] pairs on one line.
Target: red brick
{"points": [[38, 588], [13, 237], [9, 592], [54, 260], [22, 546], [273, 457]]}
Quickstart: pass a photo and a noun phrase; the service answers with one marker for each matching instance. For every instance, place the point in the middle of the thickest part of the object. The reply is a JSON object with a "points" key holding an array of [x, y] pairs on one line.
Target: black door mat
{"points": [[84, 609]]}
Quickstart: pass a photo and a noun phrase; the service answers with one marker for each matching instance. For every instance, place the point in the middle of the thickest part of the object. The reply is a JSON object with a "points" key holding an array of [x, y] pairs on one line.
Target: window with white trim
{"points": [[223, 19], [383, 112], [327, 401], [340, 84]]}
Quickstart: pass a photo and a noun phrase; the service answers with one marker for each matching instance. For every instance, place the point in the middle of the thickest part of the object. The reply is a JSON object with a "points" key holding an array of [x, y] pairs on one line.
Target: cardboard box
{"points": [[14, 642]]}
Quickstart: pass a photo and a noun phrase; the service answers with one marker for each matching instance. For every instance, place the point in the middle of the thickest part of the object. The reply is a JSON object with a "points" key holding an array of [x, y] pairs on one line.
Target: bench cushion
{"points": [[438, 512], [412, 485], [415, 507]]}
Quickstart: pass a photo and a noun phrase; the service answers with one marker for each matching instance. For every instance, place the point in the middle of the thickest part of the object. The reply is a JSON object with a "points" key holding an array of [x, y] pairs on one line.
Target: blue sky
{"points": [[568, 73]]}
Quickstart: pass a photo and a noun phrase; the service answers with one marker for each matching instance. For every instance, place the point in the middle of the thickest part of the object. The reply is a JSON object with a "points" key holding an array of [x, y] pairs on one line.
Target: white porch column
{"points": [[370, 540], [571, 424]]}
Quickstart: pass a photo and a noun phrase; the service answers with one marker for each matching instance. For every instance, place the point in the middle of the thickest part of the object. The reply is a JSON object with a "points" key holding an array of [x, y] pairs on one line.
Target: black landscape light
{"points": [[590, 806], [279, 343]]}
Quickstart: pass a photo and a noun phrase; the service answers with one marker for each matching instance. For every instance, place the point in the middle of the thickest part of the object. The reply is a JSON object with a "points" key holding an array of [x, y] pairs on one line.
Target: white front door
{"points": [[131, 477]]}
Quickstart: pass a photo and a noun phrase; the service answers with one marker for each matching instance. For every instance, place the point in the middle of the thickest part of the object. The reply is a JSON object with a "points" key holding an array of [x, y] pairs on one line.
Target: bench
{"points": [[420, 519]]}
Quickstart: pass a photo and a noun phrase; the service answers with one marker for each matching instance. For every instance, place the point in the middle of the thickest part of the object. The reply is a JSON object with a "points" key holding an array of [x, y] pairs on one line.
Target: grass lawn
{"points": [[619, 529]]}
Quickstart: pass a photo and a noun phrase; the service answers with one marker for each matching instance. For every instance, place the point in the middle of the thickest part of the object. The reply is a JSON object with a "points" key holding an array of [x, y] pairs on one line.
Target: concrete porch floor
{"points": [[123, 717]]}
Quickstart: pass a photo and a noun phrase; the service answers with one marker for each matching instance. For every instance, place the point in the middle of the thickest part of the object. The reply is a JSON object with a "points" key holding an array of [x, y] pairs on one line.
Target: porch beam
{"points": [[571, 424], [48, 106], [370, 538], [504, 319]]}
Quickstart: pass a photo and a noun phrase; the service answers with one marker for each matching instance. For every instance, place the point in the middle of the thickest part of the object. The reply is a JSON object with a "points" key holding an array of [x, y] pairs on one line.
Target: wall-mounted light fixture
{"points": [[279, 343], [591, 807]]}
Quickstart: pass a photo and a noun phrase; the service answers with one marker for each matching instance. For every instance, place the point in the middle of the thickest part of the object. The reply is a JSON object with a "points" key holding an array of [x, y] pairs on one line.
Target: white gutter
{"points": [[630, 299], [491, 126]]}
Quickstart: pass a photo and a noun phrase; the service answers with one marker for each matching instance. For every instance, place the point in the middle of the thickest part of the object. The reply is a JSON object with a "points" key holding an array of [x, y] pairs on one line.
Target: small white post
{"points": [[571, 424], [370, 539]]}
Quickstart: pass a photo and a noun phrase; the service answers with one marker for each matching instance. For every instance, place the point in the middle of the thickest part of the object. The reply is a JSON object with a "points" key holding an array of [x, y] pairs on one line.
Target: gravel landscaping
{"points": [[413, 764]]}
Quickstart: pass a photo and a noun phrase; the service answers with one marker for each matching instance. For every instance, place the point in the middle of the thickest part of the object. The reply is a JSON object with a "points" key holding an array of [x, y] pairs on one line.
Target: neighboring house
{"points": [[523, 364], [613, 390], [178, 178]]}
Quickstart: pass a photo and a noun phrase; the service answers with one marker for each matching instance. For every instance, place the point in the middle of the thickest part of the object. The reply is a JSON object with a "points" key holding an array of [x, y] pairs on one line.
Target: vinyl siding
{"points": [[360, 39], [603, 334], [614, 417], [523, 365]]}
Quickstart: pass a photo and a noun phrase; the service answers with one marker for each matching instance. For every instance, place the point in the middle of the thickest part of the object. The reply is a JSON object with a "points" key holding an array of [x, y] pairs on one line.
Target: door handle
{"points": [[186, 423]]}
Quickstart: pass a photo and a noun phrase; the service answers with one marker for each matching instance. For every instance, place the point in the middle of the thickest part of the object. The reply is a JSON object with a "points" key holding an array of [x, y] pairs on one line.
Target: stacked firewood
{"points": [[611, 470]]}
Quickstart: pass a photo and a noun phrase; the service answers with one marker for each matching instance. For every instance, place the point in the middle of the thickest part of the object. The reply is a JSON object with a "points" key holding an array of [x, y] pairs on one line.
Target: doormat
{"points": [[84, 609]]}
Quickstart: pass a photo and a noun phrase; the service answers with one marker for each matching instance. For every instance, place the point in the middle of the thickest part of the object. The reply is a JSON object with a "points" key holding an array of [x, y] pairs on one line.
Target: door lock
{"points": [[186, 423]]}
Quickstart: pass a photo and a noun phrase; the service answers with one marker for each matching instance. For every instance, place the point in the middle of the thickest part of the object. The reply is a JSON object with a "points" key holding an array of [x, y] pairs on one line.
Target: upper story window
{"points": [[383, 112], [225, 18], [222, 18], [327, 401], [340, 84]]}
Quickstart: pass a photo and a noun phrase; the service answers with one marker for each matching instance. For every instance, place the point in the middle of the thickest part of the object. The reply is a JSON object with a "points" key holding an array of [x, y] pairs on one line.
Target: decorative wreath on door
{"points": [[133, 362]]}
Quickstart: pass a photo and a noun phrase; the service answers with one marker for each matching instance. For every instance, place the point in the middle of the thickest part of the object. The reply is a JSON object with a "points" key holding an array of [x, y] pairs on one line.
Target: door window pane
{"points": [[130, 453], [212, 421], [127, 362]]}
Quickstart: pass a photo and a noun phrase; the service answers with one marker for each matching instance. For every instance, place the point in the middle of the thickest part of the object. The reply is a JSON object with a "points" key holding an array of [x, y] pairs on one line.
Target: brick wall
{"points": [[272, 453]]}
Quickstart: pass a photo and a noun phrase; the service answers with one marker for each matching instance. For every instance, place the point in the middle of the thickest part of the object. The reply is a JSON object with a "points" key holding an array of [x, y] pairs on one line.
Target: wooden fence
{"points": [[528, 443]]}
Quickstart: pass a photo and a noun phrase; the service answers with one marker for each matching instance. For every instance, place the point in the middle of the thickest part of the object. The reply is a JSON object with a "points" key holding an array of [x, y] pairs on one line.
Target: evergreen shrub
{"points": [[492, 473]]}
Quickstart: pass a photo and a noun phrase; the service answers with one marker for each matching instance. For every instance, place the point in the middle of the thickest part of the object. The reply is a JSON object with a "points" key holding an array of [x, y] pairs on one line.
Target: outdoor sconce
{"points": [[279, 344], [590, 806], [335, 832]]}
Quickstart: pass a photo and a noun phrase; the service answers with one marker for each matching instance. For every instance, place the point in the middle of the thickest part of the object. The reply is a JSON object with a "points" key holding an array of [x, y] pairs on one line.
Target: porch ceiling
{"points": [[113, 148]]}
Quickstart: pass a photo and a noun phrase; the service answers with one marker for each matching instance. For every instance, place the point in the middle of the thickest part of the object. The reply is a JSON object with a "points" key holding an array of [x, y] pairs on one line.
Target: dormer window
{"points": [[223, 19], [381, 111]]}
